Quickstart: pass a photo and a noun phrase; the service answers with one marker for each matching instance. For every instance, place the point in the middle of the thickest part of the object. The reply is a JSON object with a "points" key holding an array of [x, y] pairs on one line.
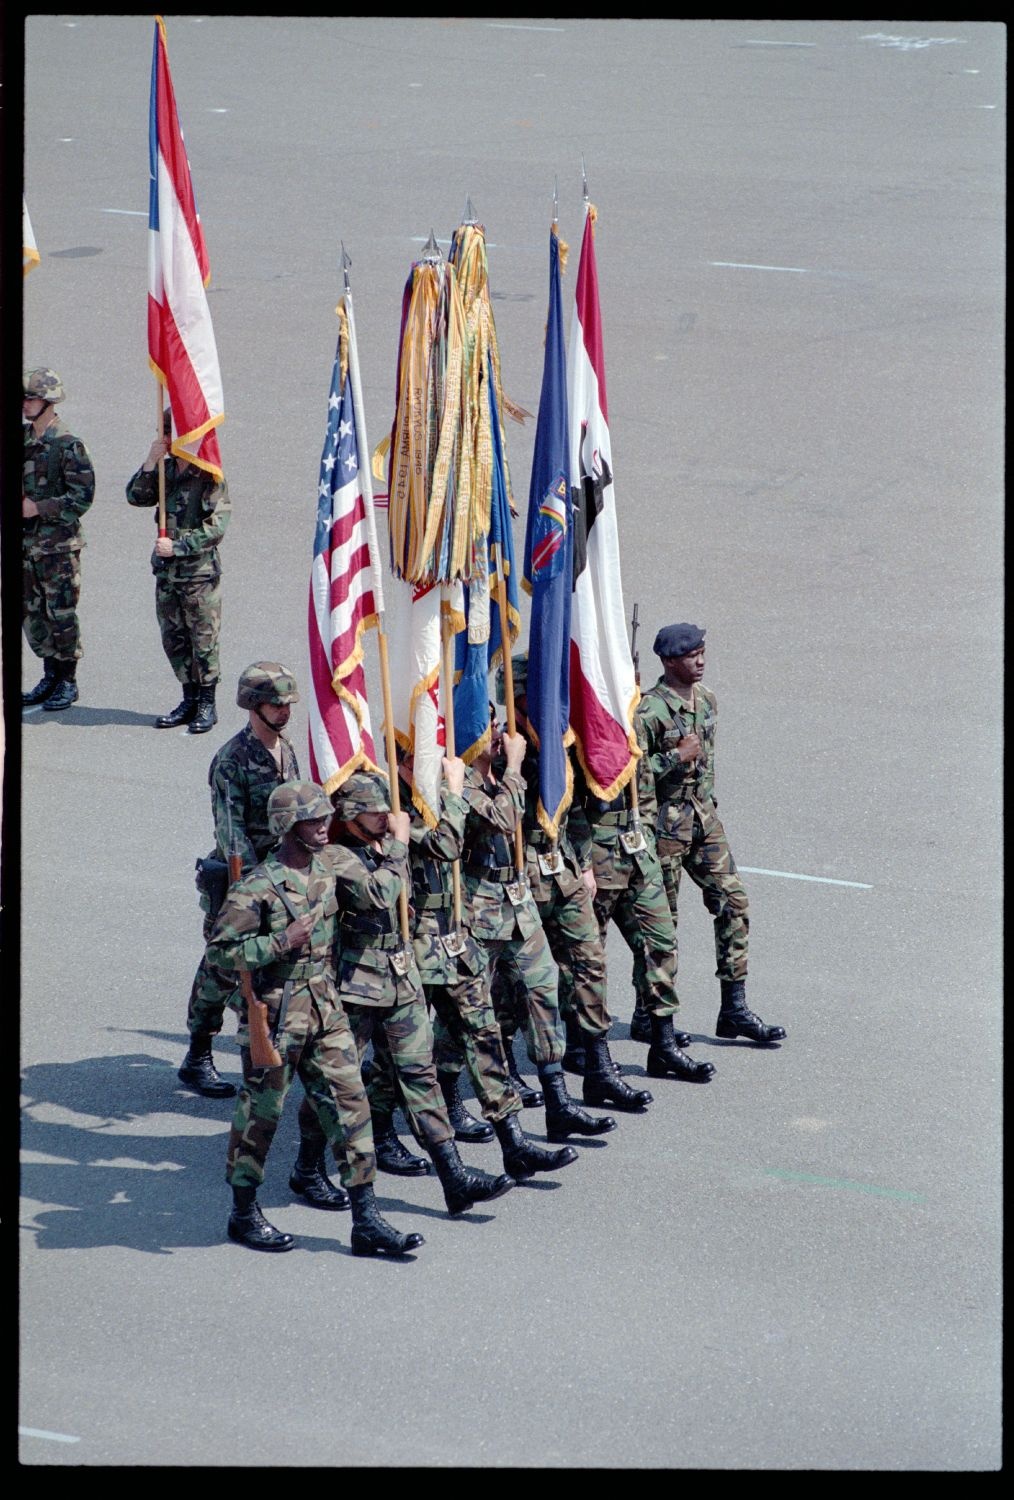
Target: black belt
{"points": [[366, 940], [614, 819], [490, 872], [431, 902], [301, 970]]}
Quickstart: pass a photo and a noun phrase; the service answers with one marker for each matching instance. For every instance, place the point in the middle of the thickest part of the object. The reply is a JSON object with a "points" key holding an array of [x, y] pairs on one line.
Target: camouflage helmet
{"points": [[364, 792], [46, 384], [295, 802], [266, 682], [519, 672]]}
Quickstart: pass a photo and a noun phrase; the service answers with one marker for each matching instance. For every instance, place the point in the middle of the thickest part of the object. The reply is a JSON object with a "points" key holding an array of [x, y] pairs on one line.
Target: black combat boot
{"points": [[640, 1028], [665, 1057], [465, 1126], [603, 1083], [530, 1098], [522, 1157], [248, 1226], [45, 685], [574, 1057], [372, 1235], [65, 691], [184, 712], [464, 1186], [205, 718], [391, 1154], [199, 1072], [310, 1180], [735, 1020], [563, 1116]]}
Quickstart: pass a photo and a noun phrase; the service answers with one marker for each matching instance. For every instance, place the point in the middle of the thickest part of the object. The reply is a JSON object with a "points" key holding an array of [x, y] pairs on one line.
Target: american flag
{"points": [[342, 604]]}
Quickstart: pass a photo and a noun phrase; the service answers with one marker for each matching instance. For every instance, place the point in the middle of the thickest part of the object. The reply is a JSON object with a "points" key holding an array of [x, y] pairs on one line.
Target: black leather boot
{"points": [[199, 1072], [603, 1082], [640, 1029], [310, 1180], [391, 1154], [665, 1058], [372, 1235], [248, 1226], [205, 718], [563, 1116], [65, 691], [735, 1020], [45, 685], [523, 1158], [184, 711], [530, 1098], [464, 1186], [574, 1057], [465, 1126]]}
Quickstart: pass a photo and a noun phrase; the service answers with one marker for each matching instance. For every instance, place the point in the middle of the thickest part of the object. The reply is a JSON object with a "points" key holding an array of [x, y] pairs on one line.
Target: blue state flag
{"points": [[549, 570]]}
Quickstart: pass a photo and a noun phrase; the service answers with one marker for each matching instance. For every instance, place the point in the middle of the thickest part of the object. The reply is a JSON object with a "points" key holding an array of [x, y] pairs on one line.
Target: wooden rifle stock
{"points": [[263, 1052]]}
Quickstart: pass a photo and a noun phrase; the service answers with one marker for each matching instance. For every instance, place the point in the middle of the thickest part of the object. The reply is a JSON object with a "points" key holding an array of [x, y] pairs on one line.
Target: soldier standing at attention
{"points": [[277, 923], [58, 486], [379, 981], [678, 718], [188, 591]]}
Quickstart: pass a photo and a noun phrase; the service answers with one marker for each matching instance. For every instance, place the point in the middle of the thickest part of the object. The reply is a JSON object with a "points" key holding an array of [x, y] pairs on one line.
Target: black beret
{"points": [[678, 640]]}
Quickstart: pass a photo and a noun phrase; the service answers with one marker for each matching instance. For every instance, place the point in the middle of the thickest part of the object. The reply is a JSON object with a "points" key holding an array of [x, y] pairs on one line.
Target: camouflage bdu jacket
{"points": [[488, 866], [431, 853], [248, 934], [197, 511], [59, 477], [368, 884], [574, 842], [242, 777], [597, 824], [662, 719]]}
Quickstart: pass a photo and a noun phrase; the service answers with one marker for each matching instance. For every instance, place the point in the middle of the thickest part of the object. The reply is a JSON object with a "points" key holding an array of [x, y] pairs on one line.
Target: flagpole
{"points": [[508, 678], [374, 549], [449, 744], [160, 419]]}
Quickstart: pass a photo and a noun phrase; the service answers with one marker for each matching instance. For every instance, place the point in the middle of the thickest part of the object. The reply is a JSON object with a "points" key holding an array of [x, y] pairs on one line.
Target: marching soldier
{"points": [[505, 922], [57, 488], [277, 923], [188, 591], [677, 718], [562, 881], [454, 980], [379, 980]]}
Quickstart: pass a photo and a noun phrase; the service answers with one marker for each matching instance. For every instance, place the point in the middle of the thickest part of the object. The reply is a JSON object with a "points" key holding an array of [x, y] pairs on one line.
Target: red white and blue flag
{"points": [[181, 341], [603, 688], [342, 601]]}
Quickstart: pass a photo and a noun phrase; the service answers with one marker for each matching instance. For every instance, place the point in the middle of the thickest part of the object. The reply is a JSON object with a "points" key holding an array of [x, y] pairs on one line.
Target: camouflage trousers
{"points": [[317, 1044], [465, 1033], [523, 982], [709, 863], [189, 613], [576, 943], [641, 912], [51, 589], [210, 993], [403, 1050]]}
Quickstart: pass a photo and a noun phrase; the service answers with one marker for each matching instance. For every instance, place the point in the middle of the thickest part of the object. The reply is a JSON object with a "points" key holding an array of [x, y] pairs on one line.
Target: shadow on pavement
{"points": [[84, 718]]}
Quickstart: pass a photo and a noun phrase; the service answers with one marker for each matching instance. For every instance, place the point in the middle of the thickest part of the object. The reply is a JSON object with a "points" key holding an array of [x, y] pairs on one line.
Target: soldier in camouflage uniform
{"points": [[454, 980], [379, 980], [277, 923], [188, 571], [243, 774], [629, 892], [505, 922], [677, 718], [562, 881], [58, 486]]}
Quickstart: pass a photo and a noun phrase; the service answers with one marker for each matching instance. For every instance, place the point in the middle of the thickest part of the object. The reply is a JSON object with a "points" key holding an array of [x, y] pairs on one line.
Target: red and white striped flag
{"points": [[181, 341], [603, 689], [343, 602]]}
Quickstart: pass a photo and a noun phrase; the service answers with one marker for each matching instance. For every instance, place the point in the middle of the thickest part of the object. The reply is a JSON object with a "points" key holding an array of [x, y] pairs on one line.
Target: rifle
{"points": [[635, 654], [263, 1053], [632, 841]]}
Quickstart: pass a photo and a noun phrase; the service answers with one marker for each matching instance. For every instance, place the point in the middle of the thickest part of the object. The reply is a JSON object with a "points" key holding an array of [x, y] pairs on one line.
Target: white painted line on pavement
{"points": [[856, 885], [504, 26], [777, 44], [53, 1437], [741, 265], [135, 213]]}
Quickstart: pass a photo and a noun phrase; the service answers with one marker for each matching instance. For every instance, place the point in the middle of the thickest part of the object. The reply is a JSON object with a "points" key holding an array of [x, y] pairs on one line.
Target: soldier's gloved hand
{"points": [[297, 933], [158, 449], [454, 774], [28, 507], [164, 546], [689, 748], [514, 747], [398, 826]]}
